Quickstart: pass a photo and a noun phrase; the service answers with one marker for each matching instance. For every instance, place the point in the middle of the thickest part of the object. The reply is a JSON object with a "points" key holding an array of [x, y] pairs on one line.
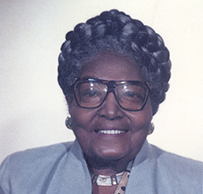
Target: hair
{"points": [[114, 31]]}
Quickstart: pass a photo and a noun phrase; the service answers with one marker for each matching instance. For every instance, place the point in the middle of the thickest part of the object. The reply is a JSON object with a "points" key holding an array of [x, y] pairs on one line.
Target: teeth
{"points": [[111, 132]]}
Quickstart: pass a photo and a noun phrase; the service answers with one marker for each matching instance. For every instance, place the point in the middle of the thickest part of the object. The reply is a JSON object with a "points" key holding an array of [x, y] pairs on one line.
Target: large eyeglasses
{"points": [[130, 95]]}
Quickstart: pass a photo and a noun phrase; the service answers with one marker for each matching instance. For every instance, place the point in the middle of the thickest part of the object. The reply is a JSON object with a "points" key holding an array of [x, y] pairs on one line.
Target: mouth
{"points": [[111, 132]]}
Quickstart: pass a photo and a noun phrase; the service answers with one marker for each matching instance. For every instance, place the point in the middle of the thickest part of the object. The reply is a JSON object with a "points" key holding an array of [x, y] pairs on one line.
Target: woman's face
{"points": [[110, 116]]}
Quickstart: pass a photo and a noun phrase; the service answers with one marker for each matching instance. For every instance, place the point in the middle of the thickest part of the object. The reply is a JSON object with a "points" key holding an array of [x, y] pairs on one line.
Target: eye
{"points": [[89, 93], [132, 95]]}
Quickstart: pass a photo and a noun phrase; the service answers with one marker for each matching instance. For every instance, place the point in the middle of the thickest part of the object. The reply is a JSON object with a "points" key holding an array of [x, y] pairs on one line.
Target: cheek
{"points": [[81, 118], [141, 119], [82, 125]]}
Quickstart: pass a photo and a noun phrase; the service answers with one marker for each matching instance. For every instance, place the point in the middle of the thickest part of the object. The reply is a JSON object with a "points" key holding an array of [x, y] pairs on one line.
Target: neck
{"points": [[106, 167]]}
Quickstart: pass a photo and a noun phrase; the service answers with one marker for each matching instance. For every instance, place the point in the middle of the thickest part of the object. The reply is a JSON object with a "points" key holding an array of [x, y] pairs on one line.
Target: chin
{"points": [[110, 156]]}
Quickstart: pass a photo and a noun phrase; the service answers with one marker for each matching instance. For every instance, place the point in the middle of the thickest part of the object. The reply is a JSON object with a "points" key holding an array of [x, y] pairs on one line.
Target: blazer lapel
{"points": [[142, 178], [72, 175]]}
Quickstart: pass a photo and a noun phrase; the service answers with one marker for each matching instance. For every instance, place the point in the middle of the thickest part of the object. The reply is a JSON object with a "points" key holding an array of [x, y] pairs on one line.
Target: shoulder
{"points": [[174, 160], [32, 168], [33, 160], [165, 172], [178, 170], [40, 154]]}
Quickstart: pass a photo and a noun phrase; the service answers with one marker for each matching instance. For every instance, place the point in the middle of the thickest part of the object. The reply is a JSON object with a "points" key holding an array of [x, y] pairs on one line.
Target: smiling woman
{"points": [[89, 125], [114, 73]]}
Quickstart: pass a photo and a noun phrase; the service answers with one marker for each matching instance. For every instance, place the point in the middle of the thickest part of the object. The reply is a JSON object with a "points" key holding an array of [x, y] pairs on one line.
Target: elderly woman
{"points": [[114, 73]]}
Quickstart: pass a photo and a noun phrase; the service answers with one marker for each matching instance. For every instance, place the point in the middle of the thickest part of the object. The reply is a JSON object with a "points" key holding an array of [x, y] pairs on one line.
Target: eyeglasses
{"points": [[130, 95]]}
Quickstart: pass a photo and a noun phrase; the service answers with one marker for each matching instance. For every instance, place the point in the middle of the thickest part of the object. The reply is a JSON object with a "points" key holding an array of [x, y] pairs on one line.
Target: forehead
{"points": [[110, 66]]}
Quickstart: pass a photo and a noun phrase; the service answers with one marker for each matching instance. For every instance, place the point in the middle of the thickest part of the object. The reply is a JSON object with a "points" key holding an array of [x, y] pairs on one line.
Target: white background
{"points": [[32, 106]]}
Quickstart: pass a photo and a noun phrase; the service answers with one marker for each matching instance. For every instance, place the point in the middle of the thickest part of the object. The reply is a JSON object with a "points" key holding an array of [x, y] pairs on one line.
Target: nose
{"points": [[110, 109]]}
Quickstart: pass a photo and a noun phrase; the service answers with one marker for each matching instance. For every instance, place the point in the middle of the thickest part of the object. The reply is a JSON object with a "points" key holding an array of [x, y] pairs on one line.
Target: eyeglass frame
{"points": [[111, 86]]}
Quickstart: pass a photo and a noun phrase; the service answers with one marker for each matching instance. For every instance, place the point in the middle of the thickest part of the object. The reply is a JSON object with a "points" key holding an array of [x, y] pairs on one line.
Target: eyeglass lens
{"points": [[128, 96]]}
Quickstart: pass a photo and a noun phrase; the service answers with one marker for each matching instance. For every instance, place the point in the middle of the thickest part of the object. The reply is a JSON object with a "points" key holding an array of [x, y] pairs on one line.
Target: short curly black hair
{"points": [[114, 31]]}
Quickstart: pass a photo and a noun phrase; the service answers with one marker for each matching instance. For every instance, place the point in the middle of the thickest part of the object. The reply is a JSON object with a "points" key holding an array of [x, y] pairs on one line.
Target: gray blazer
{"points": [[61, 169]]}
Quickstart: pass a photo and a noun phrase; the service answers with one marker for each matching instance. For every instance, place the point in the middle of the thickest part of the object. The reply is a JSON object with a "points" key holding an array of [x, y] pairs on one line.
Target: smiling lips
{"points": [[111, 132]]}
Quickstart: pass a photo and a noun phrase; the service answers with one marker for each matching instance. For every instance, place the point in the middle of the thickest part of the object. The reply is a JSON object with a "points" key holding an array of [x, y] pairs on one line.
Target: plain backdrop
{"points": [[32, 106]]}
